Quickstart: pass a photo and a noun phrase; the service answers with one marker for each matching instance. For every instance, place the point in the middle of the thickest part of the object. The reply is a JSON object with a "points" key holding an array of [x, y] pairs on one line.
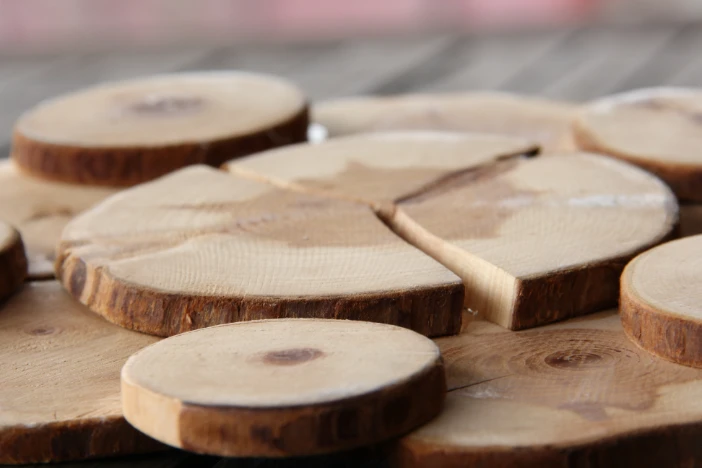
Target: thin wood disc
{"points": [[577, 393], [13, 262], [283, 387], [658, 129], [59, 367], [128, 132], [660, 301]]}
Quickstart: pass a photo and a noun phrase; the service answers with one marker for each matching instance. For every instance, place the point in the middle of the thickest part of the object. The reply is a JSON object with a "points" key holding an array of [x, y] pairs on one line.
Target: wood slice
{"points": [[40, 209], [545, 121], [284, 387], [659, 129], [202, 247], [578, 393], [13, 262], [660, 306], [128, 132], [60, 394]]}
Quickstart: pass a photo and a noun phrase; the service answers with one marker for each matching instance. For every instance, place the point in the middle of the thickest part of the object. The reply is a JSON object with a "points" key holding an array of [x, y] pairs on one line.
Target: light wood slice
{"points": [[545, 121], [659, 129], [541, 239], [13, 262], [578, 393], [202, 247], [40, 209], [283, 387], [128, 132], [660, 301], [59, 366]]}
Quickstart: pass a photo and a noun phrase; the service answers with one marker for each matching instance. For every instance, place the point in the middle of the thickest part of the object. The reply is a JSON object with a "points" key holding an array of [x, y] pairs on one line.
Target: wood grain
{"points": [[124, 133], [60, 380], [13, 261], [284, 387]]}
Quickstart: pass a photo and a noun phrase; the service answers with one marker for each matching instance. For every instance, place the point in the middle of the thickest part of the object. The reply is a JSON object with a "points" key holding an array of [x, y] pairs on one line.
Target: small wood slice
{"points": [[128, 132], [660, 304], [201, 247], [659, 129], [283, 387], [541, 120], [13, 262], [59, 366], [573, 394], [40, 209]]}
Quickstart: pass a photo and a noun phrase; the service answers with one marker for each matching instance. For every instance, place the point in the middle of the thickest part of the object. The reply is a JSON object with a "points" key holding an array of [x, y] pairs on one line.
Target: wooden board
{"points": [[284, 387], [202, 247], [13, 261], [40, 209], [128, 132], [578, 393], [547, 122], [659, 129], [660, 304], [60, 367]]}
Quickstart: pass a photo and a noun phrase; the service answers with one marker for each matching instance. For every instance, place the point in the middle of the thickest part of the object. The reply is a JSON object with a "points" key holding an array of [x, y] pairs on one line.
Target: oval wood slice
{"points": [[577, 393], [201, 247], [59, 367], [547, 122], [40, 209], [660, 307], [283, 387], [128, 132], [13, 262], [659, 129]]}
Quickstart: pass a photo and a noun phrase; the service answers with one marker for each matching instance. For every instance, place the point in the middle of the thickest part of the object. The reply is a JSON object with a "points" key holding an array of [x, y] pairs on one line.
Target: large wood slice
{"points": [[202, 247], [660, 301], [577, 393], [547, 122], [59, 368], [284, 387], [128, 132], [40, 209], [13, 261], [659, 129]]}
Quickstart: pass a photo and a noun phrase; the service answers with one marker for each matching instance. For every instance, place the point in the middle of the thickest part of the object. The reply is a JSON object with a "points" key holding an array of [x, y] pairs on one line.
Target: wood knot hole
{"points": [[291, 357], [40, 331]]}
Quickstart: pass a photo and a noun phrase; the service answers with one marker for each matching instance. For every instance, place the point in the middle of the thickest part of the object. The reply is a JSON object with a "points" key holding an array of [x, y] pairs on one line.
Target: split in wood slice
{"points": [[40, 209], [279, 388], [124, 133], [13, 261], [659, 129], [201, 247], [577, 393], [59, 366], [541, 120], [661, 305]]}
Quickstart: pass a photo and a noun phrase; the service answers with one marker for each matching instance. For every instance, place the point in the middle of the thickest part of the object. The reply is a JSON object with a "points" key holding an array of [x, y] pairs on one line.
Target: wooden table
{"points": [[576, 64]]}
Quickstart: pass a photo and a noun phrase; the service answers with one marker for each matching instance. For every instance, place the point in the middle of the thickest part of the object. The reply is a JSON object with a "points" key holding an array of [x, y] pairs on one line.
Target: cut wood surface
{"points": [[284, 387], [660, 301], [39, 209], [659, 129], [13, 261], [578, 393], [59, 368], [547, 122], [201, 247], [128, 132]]}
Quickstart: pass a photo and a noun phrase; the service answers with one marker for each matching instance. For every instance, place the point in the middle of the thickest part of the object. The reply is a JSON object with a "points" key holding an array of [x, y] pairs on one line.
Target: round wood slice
{"points": [[660, 307], [541, 120], [573, 394], [40, 209], [201, 247], [659, 129], [13, 262], [283, 387], [128, 132], [59, 367]]}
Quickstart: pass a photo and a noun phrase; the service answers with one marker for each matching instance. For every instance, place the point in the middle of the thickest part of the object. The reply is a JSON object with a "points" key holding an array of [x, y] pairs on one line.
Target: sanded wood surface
{"points": [[40, 209], [60, 395], [284, 387], [128, 132], [13, 261]]}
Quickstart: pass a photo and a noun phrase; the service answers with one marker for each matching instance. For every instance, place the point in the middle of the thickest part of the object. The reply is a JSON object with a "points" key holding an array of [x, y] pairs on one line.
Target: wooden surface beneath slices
{"points": [[60, 366], [284, 387], [13, 261]]}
